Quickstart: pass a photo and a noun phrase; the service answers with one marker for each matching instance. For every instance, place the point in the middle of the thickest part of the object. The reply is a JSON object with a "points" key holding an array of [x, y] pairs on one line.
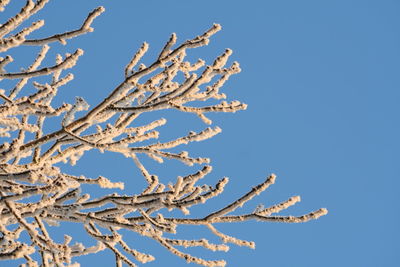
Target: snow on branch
{"points": [[36, 194]]}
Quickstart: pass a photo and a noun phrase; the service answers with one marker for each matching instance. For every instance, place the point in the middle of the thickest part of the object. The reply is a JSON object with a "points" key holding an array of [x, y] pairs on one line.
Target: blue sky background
{"points": [[321, 79]]}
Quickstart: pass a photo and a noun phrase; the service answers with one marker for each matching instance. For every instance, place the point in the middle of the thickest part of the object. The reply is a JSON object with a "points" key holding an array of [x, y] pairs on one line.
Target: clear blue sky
{"points": [[322, 82]]}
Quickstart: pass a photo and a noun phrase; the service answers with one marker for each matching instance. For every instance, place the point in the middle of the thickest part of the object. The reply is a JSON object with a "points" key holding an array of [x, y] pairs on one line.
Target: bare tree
{"points": [[36, 194]]}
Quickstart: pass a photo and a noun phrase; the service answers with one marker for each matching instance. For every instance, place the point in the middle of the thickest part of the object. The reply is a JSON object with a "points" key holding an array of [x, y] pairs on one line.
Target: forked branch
{"points": [[36, 194]]}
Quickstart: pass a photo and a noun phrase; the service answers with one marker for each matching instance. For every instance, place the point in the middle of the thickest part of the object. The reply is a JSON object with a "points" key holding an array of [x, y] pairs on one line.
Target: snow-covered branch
{"points": [[36, 194]]}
